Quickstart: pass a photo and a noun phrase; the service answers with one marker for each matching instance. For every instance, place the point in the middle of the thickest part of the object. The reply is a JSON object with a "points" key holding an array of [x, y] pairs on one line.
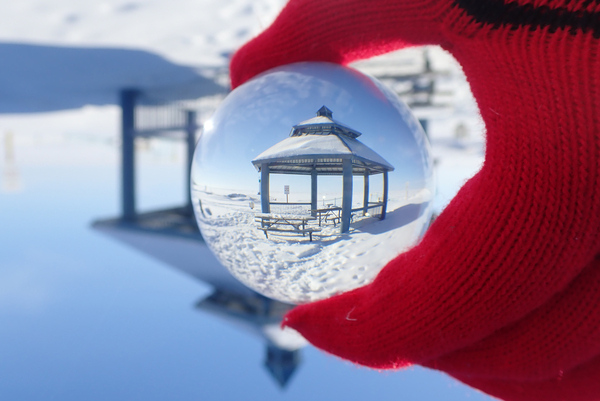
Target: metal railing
{"points": [[373, 210]]}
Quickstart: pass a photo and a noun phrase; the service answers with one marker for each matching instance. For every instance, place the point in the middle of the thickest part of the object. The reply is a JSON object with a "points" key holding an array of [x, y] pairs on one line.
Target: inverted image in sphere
{"points": [[308, 179]]}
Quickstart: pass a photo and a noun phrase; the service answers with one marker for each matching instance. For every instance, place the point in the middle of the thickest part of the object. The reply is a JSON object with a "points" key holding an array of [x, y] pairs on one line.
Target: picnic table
{"points": [[331, 213], [285, 223]]}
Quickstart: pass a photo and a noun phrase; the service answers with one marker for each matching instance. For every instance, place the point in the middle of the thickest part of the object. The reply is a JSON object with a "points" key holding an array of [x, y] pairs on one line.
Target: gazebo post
{"points": [[190, 129], [366, 194], [347, 195], [264, 188], [313, 191], [385, 195], [128, 100]]}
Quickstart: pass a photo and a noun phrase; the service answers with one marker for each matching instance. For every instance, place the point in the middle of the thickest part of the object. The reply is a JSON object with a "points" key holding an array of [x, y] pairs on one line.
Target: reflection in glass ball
{"points": [[308, 179]]}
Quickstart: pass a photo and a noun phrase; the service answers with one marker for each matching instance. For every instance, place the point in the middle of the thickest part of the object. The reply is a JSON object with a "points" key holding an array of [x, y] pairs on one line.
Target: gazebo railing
{"points": [[297, 208], [374, 209], [289, 203]]}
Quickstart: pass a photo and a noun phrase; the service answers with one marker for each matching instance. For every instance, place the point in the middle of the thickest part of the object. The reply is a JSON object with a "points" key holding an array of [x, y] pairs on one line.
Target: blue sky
{"points": [[261, 113]]}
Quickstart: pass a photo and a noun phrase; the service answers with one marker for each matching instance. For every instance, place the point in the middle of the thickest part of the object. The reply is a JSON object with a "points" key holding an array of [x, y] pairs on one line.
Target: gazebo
{"points": [[324, 146]]}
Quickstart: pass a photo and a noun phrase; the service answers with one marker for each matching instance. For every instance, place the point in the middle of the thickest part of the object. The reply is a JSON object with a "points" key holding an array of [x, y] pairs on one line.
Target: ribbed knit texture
{"points": [[503, 292]]}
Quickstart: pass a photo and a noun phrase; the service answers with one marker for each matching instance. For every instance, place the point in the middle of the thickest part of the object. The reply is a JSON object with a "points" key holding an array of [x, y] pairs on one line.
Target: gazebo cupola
{"points": [[324, 146]]}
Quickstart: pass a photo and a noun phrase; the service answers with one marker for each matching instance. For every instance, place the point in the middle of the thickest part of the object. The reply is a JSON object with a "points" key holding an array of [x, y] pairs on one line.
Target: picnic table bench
{"points": [[332, 213], [285, 223]]}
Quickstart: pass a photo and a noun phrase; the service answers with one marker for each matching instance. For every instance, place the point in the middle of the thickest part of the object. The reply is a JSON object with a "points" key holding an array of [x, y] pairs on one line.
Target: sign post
{"points": [[286, 191]]}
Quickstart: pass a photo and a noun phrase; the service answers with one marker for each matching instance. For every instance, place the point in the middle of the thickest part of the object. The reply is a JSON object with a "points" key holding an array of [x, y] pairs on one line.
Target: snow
{"points": [[66, 54], [306, 145], [190, 32], [38, 78], [291, 268], [321, 146], [327, 123]]}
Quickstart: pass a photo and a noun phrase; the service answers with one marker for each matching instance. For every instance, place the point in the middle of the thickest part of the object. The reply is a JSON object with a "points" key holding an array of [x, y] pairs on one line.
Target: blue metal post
{"points": [[127, 100], [347, 195], [190, 130], [313, 191], [366, 194], [264, 188], [385, 195]]}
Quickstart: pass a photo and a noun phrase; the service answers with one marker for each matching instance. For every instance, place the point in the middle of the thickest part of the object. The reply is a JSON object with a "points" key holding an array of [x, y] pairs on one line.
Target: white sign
{"points": [[286, 189]]}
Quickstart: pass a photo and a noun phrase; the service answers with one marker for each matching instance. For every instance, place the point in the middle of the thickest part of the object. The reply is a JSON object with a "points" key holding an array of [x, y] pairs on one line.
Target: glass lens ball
{"points": [[309, 178]]}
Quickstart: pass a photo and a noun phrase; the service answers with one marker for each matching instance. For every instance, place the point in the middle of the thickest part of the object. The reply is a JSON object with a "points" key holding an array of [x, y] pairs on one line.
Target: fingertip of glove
{"points": [[292, 318]]}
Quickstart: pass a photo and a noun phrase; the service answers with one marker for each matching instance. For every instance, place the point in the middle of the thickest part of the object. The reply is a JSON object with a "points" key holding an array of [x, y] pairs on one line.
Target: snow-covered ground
{"points": [[190, 32], [289, 266]]}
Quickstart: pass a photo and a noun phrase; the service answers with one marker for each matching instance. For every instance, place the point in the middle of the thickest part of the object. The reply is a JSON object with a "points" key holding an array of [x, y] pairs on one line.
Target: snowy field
{"points": [[189, 32], [288, 266]]}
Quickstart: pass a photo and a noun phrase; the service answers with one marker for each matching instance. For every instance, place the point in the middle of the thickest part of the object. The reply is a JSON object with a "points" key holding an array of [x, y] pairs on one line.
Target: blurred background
{"points": [[107, 290]]}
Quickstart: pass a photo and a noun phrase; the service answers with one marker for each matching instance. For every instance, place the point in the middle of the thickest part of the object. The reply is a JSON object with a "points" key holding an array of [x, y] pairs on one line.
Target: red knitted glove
{"points": [[502, 292]]}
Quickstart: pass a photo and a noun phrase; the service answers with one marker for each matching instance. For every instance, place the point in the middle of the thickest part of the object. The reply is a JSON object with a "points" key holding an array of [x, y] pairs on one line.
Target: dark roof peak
{"points": [[325, 112]]}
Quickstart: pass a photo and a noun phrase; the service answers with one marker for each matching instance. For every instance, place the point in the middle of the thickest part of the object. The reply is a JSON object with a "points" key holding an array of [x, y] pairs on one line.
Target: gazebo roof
{"points": [[323, 124], [321, 143]]}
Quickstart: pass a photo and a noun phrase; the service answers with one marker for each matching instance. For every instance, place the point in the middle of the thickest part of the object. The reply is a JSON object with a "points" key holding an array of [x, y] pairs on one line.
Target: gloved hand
{"points": [[503, 291]]}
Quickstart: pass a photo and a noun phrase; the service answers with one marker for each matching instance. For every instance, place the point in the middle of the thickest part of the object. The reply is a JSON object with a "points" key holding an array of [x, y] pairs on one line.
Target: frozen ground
{"points": [[291, 268], [191, 32]]}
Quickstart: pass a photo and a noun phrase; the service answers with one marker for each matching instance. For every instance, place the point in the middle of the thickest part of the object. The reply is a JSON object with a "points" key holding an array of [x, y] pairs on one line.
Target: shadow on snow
{"points": [[35, 78]]}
